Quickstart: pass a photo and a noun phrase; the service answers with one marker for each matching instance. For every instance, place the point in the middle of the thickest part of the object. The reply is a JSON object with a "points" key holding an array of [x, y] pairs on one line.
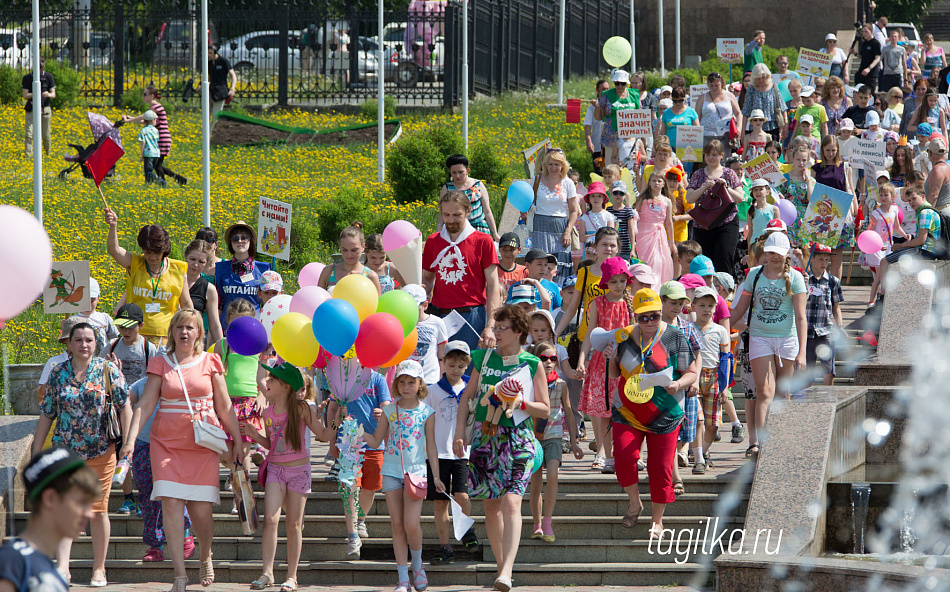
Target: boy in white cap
{"points": [[102, 324], [873, 131], [803, 131], [433, 336], [810, 107], [715, 341], [148, 139]]}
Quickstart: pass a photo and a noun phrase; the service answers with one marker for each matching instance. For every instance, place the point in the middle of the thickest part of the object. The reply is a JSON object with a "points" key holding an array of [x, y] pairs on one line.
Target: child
{"points": [[873, 122], [204, 296], [408, 430], [596, 217], [858, 112], [927, 226], [797, 189], [703, 267], [686, 251], [288, 477], [610, 310], [271, 285], [148, 139], [725, 285], [846, 137], [762, 211], [715, 341], [655, 245], [822, 309], [681, 208], [352, 246], [626, 218], [819, 128], [774, 150], [102, 324], [661, 106], [509, 271], [909, 219], [546, 295], [244, 378], [550, 433], [430, 349], [444, 398], [753, 144], [883, 220], [805, 127]]}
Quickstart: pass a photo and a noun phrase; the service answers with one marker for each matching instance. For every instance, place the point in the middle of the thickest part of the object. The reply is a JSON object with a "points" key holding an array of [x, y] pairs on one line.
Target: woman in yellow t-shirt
{"points": [[155, 282]]}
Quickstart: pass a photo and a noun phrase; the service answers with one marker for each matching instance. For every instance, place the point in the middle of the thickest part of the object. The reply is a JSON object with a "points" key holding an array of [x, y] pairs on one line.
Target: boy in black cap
{"points": [[62, 491], [537, 262], [133, 350], [509, 272]]}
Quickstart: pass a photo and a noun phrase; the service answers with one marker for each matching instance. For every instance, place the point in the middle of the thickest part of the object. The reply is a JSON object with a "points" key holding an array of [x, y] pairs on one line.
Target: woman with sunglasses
{"points": [[240, 277], [155, 282], [838, 57], [677, 115], [612, 100], [718, 107], [652, 413], [502, 455]]}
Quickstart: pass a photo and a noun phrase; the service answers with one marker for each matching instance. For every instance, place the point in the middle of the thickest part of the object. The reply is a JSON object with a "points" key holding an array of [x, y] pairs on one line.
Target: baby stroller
{"points": [[101, 128]]}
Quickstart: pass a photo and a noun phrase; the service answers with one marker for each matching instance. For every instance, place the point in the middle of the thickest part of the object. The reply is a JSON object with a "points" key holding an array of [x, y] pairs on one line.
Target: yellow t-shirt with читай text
{"points": [[157, 297]]}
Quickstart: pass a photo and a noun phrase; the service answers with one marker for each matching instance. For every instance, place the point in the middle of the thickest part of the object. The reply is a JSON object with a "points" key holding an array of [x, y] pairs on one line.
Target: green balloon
{"points": [[401, 305]]}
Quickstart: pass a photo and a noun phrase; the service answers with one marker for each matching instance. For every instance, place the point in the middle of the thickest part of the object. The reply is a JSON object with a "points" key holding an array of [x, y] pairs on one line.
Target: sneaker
{"points": [[608, 467], [737, 433], [127, 507], [189, 547], [234, 510], [582, 432], [538, 532], [443, 556], [329, 460], [154, 554], [470, 540], [718, 437], [699, 469], [353, 545], [361, 529]]}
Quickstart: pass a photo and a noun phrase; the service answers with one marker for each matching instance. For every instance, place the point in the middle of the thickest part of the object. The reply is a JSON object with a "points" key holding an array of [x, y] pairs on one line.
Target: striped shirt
{"points": [[161, 124]]}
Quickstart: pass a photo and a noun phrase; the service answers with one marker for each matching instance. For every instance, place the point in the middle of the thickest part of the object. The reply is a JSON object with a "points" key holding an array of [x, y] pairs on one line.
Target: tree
{"points": [[903, 11]]}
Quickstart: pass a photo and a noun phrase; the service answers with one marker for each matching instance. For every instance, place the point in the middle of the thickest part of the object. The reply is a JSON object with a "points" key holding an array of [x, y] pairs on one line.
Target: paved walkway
{"points": [[164, 587]]}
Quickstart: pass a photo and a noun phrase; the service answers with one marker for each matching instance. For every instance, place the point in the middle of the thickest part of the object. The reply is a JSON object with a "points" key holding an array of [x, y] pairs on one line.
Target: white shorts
{"points": [[785, 348]]}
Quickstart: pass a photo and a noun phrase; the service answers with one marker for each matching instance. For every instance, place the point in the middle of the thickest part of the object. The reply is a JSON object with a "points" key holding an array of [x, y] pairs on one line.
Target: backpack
{"points": [[116, 341], [942, 242]]}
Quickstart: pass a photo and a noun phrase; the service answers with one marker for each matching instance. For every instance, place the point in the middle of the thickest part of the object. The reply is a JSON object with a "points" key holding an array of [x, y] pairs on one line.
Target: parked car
{"points": [[910, 31], [14, 48], [259, 50], [175, 42], [100, 50]]}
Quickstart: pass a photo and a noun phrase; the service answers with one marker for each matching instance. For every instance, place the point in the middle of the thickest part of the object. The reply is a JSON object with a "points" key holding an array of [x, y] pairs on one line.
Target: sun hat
{"points": [[458, 345], [149, 115], [547, 317], [521, 293], [937, 146], [409, 368], [725, 280], [288, 373], [68, 325], [777, 243], [807, 118], [595, 187], [610, 268], [891, 135], [808, 91], [270, 281], [872, 118], [644, 273], [618, 186], [665, 103], [705, 291], [241, 225], [673, 290], [94, 290], [666, 88], [691, 281], [620, 76], [509, 239], [129, 315], [884, 174], [646, 300], [759, 183], [776, 224], [702, 266], [847, 124], [830, 37], [47, 466], [417, 292], [756, 114]]}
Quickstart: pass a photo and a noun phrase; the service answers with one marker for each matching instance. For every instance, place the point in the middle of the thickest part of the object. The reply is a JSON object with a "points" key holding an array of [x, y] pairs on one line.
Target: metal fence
{"points": [[312, 52]]}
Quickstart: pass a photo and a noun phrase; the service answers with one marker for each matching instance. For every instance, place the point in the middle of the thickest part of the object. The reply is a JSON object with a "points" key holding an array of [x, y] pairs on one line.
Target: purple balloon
{"points": [[246, 336], [787, 211]]}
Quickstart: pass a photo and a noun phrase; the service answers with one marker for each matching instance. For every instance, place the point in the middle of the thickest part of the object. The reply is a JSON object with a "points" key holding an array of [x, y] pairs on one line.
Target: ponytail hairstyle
{"points": [[292, 433], [354, 230], [152, 90], [199, 245], [787, 272]]}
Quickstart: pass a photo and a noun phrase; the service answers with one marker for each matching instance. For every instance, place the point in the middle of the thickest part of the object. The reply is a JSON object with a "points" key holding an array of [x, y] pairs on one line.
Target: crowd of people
{"points": [[631, 310]]}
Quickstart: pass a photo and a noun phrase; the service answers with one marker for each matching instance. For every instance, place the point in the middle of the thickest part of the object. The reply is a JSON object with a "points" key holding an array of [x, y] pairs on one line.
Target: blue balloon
{"points": [[335, 325], [521, 195], [247, 336]]}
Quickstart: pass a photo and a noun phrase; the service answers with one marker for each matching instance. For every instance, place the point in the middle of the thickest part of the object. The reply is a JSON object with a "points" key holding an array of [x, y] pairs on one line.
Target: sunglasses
{"points": [[644, 319], [618, 192], [679, 100], [555, 150], [548, 358], [239, 238], [620, 84]]}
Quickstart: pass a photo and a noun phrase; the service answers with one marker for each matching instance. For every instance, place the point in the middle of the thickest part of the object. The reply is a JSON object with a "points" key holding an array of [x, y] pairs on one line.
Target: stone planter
{"points": [[23, 381]]}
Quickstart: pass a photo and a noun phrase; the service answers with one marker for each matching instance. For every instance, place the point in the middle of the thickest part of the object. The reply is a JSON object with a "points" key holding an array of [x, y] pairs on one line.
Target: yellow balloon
{"points": [[617, 51], [359, 291], [285, 334], [307, 349]]}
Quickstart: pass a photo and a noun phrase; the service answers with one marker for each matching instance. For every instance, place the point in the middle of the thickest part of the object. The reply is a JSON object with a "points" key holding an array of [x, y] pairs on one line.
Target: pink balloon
{"points": [[870, 242], [398, 233], [307, 299], [26, 259], [379, 339], [310, 275], [787, 211]]}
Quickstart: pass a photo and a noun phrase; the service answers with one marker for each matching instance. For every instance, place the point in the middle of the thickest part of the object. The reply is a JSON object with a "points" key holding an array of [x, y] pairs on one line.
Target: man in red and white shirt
{"points": [[460, 270]]}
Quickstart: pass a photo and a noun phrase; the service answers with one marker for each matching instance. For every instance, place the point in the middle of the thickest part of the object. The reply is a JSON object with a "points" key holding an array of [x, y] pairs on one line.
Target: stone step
{"points": [[382, 573], [566, 527]]}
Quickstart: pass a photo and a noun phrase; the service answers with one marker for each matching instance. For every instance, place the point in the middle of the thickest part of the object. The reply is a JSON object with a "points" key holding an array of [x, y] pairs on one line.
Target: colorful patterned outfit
{"points": [[476, 217], [594, 399]]}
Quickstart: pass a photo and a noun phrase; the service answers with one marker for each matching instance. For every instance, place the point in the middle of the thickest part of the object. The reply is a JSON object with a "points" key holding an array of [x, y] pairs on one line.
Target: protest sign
{"points": [[826, 216], [814, 63], [867, 154], [531, 155], [763, 167], [696, 92], [634, 123], [689, 143], [729, 49], [273, 228], [68, 288]]}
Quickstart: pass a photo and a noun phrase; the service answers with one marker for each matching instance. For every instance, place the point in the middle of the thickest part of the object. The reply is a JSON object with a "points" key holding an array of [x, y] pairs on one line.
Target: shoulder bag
{"points": [[110, 419], [207, 434], [416, 486], [574, 344], [779, 115], [713, 207]]}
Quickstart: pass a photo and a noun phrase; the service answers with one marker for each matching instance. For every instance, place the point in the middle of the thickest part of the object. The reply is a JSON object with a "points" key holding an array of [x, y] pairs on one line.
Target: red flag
{"points": [[869, 338], [103, 159], [573, 111]]}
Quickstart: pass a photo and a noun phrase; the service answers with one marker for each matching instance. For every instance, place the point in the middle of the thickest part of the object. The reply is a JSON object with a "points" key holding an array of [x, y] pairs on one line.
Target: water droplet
{"points": [[927, 278]]}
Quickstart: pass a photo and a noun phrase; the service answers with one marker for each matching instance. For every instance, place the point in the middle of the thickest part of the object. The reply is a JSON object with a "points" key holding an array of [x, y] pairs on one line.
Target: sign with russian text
{"points": [[634, 123], [689, 143], [696, 92], [867, 154], [763, 167], [729, 49], [814, 63], [273, 228]]}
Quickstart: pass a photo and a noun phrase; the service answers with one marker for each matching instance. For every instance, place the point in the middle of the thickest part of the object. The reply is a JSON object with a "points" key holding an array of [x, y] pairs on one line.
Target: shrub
{"points": [[655, 80], [581, 162], [415, 165], [132, 100], [349, 204], [10, 85], [487, 165], [370, 108], [67, 84]]}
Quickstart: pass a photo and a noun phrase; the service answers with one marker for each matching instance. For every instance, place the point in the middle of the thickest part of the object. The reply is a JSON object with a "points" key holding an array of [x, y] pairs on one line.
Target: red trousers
{"points": [[662, 448]]}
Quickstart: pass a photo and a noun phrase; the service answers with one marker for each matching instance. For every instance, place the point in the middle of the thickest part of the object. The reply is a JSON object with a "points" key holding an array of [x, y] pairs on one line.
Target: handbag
{"points": [[779, 114], [416, 486], [574, 343], [713, 207], [110, 418], [207, 434]]}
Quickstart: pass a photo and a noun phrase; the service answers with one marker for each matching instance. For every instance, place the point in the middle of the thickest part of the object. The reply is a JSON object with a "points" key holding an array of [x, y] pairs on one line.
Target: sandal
{"points": [[265, 581], [179, 584], [630, 520], [752, 452], [289, 585], [656, 532], [206, 573], [599, 462], [678, 488]]}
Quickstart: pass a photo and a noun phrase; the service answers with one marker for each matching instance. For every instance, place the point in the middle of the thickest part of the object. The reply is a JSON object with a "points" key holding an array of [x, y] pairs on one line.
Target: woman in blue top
{"points": [[775, 293], [679, 114], [239, 277]]}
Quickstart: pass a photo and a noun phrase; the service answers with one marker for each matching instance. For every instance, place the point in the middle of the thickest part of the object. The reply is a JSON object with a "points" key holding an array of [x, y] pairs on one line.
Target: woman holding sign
{"points": [[677, 115], [503, 449], [653, 413], [719, 243], [612, 100], [718, 107]]}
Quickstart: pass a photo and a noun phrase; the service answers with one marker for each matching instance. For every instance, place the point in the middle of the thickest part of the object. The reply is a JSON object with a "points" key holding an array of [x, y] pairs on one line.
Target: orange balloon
{"points": [[408, 347]]}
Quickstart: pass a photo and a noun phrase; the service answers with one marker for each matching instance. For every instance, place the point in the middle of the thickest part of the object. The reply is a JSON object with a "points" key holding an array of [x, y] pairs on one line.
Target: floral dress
{"points": [[797, 193], [834, 115]]}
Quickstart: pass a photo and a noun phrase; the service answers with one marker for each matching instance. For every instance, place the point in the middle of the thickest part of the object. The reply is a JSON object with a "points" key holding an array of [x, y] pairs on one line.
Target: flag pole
{"points": [[37, 115], [205, 120], [104, 202]]}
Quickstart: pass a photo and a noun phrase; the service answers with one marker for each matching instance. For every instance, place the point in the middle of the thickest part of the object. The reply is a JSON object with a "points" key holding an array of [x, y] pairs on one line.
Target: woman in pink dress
{"points": [[655, 245], [183, 471]]}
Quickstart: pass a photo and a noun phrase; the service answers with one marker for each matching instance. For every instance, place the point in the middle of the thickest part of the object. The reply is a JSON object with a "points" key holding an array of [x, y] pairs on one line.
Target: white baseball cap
{"points": [[94, 290], [777, 242], [409, 368], [666, 88], [808, 91], [417, 292], [807, 118]]}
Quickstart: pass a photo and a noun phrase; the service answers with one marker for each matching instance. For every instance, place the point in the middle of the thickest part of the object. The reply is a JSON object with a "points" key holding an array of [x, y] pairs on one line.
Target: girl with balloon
{"points": [[797, 188], [833, 172], [352, 246]]}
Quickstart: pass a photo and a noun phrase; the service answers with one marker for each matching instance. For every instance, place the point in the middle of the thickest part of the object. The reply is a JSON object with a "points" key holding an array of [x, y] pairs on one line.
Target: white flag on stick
{"points": [[461, 522], [454, 323]]}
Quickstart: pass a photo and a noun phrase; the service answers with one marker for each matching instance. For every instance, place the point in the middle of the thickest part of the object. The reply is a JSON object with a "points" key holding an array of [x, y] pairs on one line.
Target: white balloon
{"points": [[26, 258]]}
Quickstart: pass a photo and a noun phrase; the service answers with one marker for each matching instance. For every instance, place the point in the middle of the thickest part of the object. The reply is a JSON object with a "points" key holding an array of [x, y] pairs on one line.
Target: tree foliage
{"points": [[903, 11]]}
